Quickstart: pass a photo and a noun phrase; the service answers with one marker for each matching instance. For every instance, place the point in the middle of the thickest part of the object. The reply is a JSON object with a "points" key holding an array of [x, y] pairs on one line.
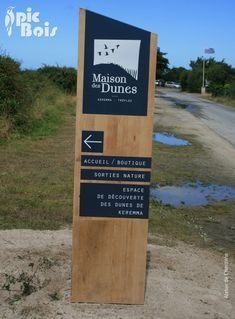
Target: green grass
{"points": [[47, 114], [50, 110], [174, 166], [173, 224], [36, 173], [208, 226]]}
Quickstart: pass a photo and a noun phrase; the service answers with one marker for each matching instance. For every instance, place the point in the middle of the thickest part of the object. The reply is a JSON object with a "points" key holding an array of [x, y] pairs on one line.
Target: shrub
{"points": [[219, 90], [65, 78], [36, 81], [184, 79], [230, 90], [15, 97], [216, 89], [194, 81], [34, 102]]}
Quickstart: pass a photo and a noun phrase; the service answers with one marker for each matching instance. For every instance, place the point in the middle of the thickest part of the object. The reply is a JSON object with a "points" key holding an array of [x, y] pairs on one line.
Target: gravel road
{"points": [[219, 118]]}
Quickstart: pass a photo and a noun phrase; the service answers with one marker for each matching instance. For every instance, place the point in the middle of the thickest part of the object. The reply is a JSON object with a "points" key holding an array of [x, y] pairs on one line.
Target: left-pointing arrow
{"points": [[88, 141]]}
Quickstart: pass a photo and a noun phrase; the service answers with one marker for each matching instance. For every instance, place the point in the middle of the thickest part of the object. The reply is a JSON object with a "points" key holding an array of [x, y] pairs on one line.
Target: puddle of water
{"points": [[169, 139], [188, 107], [181, 105], [195, 194], [195, 110]]}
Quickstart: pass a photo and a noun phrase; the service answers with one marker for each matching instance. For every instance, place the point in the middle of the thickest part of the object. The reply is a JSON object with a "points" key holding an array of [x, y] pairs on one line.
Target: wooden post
{"points": [[112, 160]]}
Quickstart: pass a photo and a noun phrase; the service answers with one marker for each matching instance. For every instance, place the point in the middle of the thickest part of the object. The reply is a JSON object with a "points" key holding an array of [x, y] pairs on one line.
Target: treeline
{"points": [[30, 99], [219, 76]]}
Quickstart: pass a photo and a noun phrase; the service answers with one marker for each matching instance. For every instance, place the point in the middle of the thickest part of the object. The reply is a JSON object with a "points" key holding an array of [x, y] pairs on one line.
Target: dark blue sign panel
{"points": [[92, 141], [117, 67], [115, 161], [114, 200], [114, 175]]}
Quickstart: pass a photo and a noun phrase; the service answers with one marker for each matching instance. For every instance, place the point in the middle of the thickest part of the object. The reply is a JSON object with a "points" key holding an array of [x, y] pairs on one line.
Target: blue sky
{"points": [[184, 28]]}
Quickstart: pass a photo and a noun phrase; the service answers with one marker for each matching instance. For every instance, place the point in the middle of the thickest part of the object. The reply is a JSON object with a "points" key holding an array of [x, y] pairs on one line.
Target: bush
{"points": [[184, 79], [31, 101], [227, 90], [194, 81], [216, 89], [65, 78], [15, 96], [230, 90], [36, 81]]}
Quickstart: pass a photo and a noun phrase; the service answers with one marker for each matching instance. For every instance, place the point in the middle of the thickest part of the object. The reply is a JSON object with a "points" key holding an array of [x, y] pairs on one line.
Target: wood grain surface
{"points": [[109, 254]]}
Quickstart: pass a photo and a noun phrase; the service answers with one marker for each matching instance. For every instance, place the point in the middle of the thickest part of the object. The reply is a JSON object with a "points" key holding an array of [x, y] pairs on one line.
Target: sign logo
{"points": [[28, 22], [116, 60], [124, 53], [116, 66]]}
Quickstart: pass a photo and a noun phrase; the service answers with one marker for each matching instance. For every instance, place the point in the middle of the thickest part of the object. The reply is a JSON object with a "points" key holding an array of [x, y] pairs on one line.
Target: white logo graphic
{"points": [[124, 53], [9, 20], [26, 21]]}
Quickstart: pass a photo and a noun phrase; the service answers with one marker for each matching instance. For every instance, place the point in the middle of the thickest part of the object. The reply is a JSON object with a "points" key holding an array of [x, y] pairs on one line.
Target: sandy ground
{"points": [[221, 150], [182, 281]]}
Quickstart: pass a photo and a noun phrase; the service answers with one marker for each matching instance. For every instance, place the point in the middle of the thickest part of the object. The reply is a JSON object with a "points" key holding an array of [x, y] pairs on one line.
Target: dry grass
{"points": [[221, 100]]}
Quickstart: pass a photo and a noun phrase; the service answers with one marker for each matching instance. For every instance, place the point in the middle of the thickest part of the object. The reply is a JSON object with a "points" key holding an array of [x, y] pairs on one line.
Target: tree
{"points": [[184, 79], [162, 65], [174, 74], [217, 74]]}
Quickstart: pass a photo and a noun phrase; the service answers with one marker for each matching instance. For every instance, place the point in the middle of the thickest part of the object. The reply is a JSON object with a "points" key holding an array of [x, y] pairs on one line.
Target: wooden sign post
{"points": [[116, 75]]}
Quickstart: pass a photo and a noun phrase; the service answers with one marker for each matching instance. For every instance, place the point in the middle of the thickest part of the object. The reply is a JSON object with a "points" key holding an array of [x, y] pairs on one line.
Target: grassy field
{"points": [[37, 174], [37, 186], [208, 225]]}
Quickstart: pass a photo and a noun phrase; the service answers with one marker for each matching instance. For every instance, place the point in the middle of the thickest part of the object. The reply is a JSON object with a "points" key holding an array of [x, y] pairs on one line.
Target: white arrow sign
{"points": [[87, 141]]}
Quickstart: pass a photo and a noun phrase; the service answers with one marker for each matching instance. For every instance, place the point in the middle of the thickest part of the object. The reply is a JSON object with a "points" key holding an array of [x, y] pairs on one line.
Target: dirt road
{"points": [[219, 118], [183, 282], [213, 127]]}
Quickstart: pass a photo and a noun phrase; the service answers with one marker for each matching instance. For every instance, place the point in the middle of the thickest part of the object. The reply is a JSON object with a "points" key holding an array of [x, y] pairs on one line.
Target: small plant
{"points": [[25, 283], [9, 281], [55, 296]]}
